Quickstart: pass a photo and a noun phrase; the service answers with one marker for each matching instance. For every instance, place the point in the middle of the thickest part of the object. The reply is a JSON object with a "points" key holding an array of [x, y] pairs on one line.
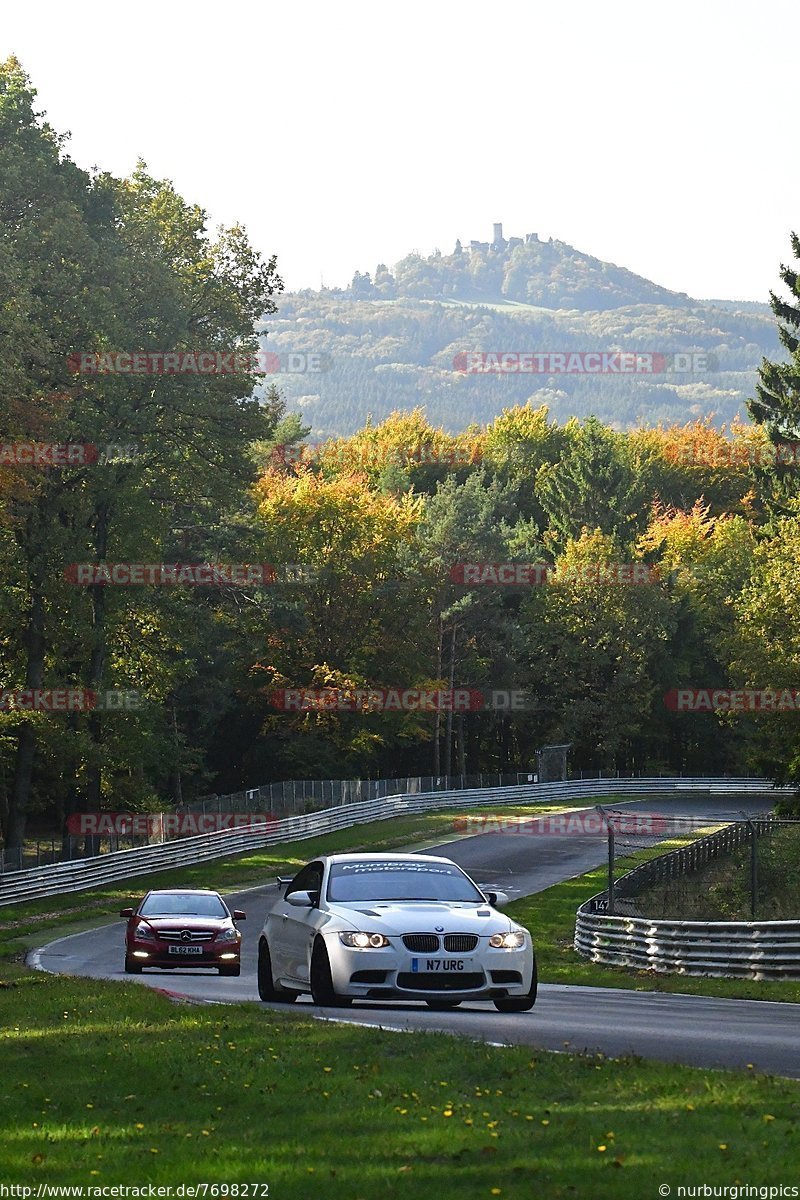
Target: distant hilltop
{"points": [[395, 340], [549, 274]]}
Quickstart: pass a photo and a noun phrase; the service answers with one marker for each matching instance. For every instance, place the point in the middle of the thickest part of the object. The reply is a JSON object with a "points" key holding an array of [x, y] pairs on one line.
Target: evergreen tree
{"points": [[777, 404], [595, 486]]}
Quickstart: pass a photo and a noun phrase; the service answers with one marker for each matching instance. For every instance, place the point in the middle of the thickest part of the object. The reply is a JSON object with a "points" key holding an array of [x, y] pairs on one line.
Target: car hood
{"points": [[185, 922], [421, 917]]}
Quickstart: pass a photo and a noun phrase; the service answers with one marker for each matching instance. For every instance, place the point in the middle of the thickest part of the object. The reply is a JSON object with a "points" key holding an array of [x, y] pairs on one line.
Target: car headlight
{"points": [[364, 941], [227, 935], [514, 940], [144, 933]]}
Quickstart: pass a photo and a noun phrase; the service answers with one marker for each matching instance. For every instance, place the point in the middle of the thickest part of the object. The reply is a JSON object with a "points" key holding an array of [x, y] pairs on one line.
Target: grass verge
{"points": [[109, 1084]]}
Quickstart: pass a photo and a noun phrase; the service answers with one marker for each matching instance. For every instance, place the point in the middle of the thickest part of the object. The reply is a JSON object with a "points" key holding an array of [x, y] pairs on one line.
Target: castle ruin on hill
{"points": [[499, 243]]}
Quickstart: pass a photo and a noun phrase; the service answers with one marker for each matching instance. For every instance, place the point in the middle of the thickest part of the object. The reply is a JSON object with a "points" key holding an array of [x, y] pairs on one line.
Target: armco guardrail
{"points": [[78, 875], [728, 949]]}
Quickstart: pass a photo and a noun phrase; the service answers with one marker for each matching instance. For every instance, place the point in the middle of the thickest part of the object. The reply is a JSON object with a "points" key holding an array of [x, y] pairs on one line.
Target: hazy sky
{"points": [[659, 136]]}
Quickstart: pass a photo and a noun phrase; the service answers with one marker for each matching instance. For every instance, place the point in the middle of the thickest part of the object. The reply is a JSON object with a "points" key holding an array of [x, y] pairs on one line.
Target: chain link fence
{"points": [[745, 871], [269, 802], [297, 796]]}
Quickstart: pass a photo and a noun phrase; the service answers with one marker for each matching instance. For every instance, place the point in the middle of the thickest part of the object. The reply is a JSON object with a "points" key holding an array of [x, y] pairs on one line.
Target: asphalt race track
{"points": [[695, 1030]]}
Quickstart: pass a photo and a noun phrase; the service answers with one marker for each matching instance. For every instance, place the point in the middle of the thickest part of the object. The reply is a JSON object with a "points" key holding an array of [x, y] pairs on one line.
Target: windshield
{"points": [[402, 880], [187, 905]]}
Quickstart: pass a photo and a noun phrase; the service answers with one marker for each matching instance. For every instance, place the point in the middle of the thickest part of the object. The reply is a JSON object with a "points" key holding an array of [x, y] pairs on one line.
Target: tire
{"points": [[511, 1004], [322, 992], [132, 967], [231, 971], [442, 1005], [267, 990]]}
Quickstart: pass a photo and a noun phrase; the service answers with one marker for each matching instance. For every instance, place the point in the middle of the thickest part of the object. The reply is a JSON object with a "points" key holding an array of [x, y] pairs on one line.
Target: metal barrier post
{"points": [[610, 869], [753, 870]]}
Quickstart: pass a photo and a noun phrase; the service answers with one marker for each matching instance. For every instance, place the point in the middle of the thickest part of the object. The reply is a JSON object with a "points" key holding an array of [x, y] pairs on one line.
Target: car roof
{"points": [[182, 892], [373, 857]]}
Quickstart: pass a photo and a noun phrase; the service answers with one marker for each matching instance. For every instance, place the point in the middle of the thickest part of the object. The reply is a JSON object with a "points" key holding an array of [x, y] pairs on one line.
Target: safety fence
{"points": [[80, 874], [107, 832], [767, 949], [294, 796]]}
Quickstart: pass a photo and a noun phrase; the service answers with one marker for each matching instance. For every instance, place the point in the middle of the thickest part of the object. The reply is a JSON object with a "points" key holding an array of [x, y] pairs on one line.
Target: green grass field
{"points": [[108, 1083]]}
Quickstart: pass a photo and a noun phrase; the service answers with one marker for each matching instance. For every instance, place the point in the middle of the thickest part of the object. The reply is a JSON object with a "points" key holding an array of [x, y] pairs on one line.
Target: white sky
{"points": [[659, 136]]}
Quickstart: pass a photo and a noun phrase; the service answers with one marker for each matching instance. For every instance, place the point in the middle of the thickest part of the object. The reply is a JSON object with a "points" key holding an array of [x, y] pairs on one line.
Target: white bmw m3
{"points": [[391, 927]]}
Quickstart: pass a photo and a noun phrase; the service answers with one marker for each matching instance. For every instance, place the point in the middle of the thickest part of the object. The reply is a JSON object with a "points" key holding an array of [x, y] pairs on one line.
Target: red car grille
{"points": [[178, 935]]}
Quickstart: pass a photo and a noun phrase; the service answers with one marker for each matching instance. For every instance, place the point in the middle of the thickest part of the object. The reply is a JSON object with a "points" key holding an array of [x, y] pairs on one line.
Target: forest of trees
{"points": [[393, 343], [377, 521]]}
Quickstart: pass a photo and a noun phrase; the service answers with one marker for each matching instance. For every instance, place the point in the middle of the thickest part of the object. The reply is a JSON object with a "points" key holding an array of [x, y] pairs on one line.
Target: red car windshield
{"points": [[177, 905]]}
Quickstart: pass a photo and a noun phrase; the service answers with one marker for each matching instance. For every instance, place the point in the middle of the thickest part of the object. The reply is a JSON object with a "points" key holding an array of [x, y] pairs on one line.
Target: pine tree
{"points": [[777, 404]]}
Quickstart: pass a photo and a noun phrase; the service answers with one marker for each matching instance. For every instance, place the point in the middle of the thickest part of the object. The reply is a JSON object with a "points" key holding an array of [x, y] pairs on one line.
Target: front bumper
{"points": [[148, 954], [394, 973]]}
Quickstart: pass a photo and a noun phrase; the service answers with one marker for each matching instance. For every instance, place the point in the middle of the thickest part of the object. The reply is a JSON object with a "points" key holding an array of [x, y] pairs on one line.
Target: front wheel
{"points": [[510, 1004], [267, 989], [132, 967], [231, 971], [321, 981]]}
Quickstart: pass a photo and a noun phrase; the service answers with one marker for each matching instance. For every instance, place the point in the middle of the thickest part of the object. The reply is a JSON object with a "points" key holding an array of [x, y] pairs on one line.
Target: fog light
{"points": [[140, 954], [227, 956]]}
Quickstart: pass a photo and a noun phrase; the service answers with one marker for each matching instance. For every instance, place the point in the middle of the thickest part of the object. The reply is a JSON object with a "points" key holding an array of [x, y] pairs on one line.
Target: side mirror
{"points": [[126, 912], [497, 899], [300, 900], [238, 915]]}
